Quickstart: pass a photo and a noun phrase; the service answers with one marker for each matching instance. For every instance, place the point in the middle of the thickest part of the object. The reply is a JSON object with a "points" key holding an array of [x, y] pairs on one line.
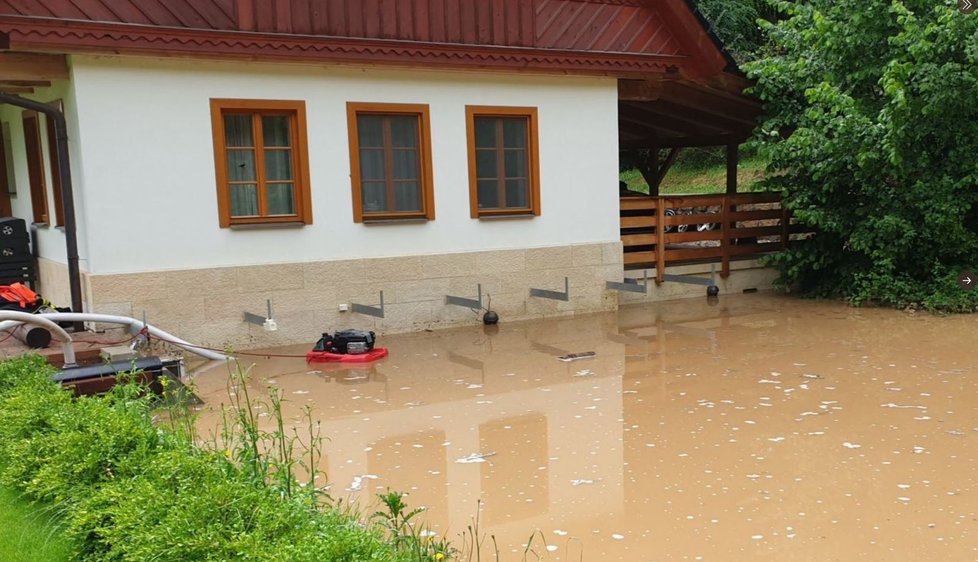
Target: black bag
{"points": [[346, 342]]}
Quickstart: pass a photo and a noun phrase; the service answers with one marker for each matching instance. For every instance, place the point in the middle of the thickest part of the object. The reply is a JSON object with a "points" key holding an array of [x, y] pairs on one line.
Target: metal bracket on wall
{"points": [[555, 295], [474, 304], [690, 280], [630, 285], [375, 311], [250, 318]]}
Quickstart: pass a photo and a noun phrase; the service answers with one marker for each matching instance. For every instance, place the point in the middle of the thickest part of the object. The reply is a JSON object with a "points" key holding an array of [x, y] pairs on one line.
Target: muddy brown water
{"points": [[758, 428]]}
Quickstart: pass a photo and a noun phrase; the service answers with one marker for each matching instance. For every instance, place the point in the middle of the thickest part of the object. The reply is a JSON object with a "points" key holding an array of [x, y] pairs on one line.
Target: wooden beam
{"points": [[726, 122], [16, 89], [4, 41], [32, 66], [664, 167], [646, 114], [31, 83], [639, 90]]}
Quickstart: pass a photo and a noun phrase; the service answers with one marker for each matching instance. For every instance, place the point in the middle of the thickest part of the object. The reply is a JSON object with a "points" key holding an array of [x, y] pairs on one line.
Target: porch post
{"points": [[732, 160], [729, 228]]}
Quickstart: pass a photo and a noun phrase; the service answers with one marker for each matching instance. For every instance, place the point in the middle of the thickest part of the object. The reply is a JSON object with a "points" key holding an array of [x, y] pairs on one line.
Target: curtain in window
{"points": [[390, 177], [501, 162]]}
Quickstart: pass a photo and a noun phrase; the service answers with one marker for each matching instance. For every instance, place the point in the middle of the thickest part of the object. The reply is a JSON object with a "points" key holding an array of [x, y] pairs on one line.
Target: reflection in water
{"points": [[753, 428]]}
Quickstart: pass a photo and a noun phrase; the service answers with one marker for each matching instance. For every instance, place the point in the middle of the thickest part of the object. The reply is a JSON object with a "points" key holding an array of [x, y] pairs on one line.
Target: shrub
{"points": [[870, 128], [132, 490]]}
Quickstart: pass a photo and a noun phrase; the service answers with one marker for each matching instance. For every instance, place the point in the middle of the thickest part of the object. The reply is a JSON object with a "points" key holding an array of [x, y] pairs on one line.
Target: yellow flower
{"points": [[439, 556]]}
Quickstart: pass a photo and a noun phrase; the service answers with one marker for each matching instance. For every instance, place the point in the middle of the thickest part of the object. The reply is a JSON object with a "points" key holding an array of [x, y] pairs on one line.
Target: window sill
{"points": [[412, 220], [520, 216], [267, 225]]}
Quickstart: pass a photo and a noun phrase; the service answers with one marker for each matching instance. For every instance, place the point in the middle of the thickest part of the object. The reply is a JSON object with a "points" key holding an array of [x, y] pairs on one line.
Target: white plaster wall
{"points": [[150, 194], [49, 238]]}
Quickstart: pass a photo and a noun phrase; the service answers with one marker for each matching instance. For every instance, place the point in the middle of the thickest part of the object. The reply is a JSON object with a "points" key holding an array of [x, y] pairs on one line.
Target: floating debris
{"points": [[576, 356], [956, 432], [904, 406], [849, 445], [300, 392], [357, 484], [584, 373], [617, 537], [474, 457], [551, 548], [581, 482], [560, 532]]}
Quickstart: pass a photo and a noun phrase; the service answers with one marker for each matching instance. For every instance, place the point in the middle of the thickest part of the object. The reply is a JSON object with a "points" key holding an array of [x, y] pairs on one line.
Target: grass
{"points": [[28, 533], [701, 179]]}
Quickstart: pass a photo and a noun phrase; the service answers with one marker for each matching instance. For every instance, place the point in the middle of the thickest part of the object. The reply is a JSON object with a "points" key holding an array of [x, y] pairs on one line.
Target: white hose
{"points": [[136, 325], [11, 319]]}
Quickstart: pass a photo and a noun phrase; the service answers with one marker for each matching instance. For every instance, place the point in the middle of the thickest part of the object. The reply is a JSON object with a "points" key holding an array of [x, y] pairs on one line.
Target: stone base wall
{"points": [[207, 306], [744, 275], [53, 282]]}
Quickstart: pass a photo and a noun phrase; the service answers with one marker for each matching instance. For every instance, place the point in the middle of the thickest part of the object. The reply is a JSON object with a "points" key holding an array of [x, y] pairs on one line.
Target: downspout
{"points": [[67, 194]]}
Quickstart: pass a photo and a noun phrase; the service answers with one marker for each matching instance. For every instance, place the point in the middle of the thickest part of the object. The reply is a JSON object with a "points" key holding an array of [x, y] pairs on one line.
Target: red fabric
{"points": [[18, 293]]}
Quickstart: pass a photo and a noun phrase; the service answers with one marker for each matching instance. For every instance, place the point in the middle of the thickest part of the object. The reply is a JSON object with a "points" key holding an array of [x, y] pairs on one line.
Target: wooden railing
{"points": [[661, 231]]}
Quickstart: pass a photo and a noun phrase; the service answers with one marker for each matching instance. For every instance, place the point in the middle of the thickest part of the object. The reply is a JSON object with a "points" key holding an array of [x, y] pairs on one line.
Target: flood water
{"points": [[758, 428]]}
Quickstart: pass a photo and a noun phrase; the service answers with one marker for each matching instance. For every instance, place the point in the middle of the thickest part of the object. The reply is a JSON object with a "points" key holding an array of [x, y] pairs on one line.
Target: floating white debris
{"points": [[903, 486], [357, 484], [300, 392], [581, 482], [757, 537], [849, 445], [954, 432], [551, 548], [474, 457], [775, 439], [767, 381], [584, 373], [560, 532], [811, 376], [906, 406], [918, 449], [473, 386], [428, 533], [617, 537], [903, 499]]}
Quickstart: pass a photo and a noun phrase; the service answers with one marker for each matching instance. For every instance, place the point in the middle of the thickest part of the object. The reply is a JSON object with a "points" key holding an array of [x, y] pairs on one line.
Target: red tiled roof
{"points": [[615, 36]]}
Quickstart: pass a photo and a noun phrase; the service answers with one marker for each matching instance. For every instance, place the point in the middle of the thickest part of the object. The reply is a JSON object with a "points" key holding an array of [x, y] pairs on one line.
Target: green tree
{"points": [[736, 24], [872, 134]]}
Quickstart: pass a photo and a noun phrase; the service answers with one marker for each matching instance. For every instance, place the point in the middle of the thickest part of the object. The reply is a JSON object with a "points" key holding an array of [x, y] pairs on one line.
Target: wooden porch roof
{"points": [[636, 38], [675, 113]]}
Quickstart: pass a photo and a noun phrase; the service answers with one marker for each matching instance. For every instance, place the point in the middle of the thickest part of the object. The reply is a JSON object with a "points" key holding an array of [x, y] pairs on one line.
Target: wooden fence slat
{"points": [[638, 222], [660, 255]]}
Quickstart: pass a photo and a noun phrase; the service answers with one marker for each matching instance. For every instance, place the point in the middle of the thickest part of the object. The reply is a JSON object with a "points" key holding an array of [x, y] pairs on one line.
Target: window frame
{"points": [[296, 110], [532, 155], [54, 164], [426, 179], [34, 151], [7, 182]]}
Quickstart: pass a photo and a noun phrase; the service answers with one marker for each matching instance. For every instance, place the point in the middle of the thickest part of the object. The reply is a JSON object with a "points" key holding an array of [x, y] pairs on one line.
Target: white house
{"points": [[316, 153]]}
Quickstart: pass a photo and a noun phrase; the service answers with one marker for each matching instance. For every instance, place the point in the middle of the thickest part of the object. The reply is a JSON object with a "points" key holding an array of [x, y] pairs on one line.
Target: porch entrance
{"points": [[657, 119]]}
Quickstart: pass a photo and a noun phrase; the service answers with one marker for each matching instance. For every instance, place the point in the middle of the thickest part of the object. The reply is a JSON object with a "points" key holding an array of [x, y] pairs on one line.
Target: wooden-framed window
{"points": [[35, 166], [59, 211], [390, 161], [7, 182], [261, 161], [504, 161]]}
